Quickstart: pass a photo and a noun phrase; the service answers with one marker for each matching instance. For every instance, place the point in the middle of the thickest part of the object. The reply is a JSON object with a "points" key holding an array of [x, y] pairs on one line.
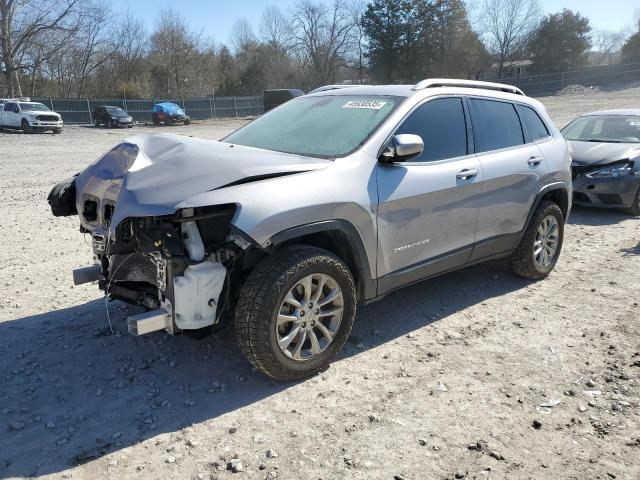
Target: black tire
{"points": [[262, 294], [634, 209], [96, 123], [155, 119], [25, 126], [57, 131], [187, 121], [522, 261]]}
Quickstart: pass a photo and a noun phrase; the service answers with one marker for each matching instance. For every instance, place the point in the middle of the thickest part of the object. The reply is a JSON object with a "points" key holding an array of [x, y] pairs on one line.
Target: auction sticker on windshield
{"points": [[370, 104]]}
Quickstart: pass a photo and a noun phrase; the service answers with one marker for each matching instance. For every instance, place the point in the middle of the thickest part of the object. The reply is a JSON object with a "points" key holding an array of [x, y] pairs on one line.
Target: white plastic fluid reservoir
{"points": [[196, 295], [193, 241]]}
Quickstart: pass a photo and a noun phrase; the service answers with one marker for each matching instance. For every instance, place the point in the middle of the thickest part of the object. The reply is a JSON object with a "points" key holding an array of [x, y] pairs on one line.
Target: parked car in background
{"points": [[330, 200], [606, 159], [29, 117], [272, 98], [111, 116], [168, 113]]}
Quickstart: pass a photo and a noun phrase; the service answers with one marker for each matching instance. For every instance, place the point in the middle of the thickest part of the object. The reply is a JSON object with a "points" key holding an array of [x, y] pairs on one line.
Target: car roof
{"points": [[374, 90], [410, 91], [614, 112]]}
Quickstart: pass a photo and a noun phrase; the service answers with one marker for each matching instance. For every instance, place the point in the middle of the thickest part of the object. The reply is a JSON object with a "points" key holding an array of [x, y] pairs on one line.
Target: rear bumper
{"points": [[605, 192]]}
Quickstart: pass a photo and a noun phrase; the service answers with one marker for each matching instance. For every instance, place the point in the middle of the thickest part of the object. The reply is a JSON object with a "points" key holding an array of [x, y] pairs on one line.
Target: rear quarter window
{"points": [[496, 125], [533, 123]]}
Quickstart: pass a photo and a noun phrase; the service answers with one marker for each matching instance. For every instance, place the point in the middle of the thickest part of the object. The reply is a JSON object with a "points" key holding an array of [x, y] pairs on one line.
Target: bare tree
{"points": [[173, 45], [507, 26], [607, 44], [357, 9], [242, 36], [132, 39], [324, 34], [94, 44], [23, 23], [274, 28]]}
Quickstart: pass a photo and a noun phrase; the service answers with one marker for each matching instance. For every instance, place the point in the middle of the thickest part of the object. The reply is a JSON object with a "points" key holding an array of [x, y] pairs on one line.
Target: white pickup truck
{"points": [[28, 116]]}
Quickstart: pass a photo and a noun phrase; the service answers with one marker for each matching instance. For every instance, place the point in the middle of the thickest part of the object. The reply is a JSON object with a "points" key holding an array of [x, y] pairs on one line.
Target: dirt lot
{"points": [[443, 379]]}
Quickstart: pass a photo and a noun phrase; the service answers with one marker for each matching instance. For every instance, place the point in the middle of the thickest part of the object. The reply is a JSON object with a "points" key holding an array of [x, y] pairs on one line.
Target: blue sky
{"points": [[215, 17]]}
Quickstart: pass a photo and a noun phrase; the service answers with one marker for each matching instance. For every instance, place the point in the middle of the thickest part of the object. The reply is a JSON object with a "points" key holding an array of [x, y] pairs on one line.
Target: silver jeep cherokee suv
{"points": [[334, 198]]}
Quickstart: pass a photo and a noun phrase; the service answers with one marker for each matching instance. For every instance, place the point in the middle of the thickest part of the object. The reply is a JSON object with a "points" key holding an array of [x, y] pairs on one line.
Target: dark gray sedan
{"points": [[606, 159]]}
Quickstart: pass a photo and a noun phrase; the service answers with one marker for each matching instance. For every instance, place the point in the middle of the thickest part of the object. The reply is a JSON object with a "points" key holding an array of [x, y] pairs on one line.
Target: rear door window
{"points": [[9, 107], [441, 125], [533, 123], [496, 125]]}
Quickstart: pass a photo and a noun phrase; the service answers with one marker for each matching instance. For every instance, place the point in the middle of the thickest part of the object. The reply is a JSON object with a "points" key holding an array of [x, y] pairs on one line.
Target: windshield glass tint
{"points": [[116, 111], [330, 126], [33, 107], [604, 128]]}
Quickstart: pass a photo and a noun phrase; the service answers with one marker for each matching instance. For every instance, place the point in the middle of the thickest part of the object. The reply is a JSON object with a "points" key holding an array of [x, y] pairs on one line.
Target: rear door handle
{"points": [[467, 173], [534, 161]]}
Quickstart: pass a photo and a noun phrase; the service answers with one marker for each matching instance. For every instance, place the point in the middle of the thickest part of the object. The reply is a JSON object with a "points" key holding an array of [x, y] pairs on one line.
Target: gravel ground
{"points": [[477, 374]]}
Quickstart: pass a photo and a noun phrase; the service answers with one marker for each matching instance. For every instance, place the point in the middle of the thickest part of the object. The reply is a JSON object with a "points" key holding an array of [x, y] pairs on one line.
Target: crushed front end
{"points": [[175, 266], [176, 263]]}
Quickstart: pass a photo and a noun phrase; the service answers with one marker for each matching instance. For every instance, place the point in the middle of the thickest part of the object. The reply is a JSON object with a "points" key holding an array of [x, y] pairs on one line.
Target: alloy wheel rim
{"points": [[546, 243], [309, 317]]}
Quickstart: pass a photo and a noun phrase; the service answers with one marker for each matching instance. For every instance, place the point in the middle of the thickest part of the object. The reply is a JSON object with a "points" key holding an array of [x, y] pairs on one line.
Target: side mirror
{"points": [[402, 148], [16, 110]]}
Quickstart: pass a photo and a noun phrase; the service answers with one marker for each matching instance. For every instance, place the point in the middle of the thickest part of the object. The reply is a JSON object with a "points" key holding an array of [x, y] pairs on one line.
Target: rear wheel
{"points": [[25, 126], [634, 209], [295, 312], [155, 119], [541, 244], [96, 123]]}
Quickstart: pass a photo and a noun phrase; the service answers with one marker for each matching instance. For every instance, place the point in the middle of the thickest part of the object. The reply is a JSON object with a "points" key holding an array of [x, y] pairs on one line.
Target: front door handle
{"points": [[467, 173], [534, 161]]}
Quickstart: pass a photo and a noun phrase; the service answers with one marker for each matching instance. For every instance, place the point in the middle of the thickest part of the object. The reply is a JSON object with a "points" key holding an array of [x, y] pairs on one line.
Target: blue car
{"points": [[168, 113]]}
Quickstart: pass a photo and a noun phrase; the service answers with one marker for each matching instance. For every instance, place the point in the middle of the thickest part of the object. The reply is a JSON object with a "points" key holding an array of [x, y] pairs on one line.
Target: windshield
{"points": [[325, 127], [604, 128], [33, 107], [116, 111]]}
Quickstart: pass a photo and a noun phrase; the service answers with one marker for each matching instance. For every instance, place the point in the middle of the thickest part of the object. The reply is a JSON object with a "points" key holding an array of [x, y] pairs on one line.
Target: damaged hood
{"points": [[150, 174], [601, 153]]}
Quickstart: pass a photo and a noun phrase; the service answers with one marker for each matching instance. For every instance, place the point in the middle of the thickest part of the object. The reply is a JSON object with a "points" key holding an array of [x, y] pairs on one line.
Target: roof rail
{"points": [[325, 88], [447, 82]]}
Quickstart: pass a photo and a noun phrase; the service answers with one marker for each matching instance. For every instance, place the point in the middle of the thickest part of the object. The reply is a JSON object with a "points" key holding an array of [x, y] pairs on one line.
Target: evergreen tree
{"points": [[561, 43]]}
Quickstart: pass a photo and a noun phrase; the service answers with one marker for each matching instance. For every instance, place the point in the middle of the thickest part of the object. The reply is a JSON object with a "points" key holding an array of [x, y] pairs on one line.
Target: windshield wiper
{"points": [[601, 140]]}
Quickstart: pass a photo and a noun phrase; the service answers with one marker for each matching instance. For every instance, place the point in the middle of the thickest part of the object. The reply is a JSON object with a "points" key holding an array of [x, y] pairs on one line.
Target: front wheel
{"points": [[634, 209], [295, 312], [541, 244], [25, 126]]}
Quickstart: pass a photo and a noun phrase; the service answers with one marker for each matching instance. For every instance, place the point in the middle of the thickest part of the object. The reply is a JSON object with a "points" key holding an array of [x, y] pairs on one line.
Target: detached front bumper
{"points": [[613, 192]]}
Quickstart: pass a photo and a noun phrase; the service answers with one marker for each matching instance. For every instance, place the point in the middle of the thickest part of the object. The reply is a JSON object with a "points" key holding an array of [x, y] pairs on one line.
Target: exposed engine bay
{"points": [[180, 262], [176, 266]]}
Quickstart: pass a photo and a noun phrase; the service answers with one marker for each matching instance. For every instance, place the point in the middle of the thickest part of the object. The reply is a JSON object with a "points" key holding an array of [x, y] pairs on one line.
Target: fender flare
{"points": [[368, 283], [562, 186]]}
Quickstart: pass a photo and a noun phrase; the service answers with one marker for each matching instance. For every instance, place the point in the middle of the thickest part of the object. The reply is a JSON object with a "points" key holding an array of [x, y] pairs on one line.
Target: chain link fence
{"points": [[552, 83], [81, 110]]}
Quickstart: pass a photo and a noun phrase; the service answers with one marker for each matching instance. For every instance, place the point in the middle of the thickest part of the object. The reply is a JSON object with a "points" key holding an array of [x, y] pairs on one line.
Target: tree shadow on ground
{"points": [[72, 391]]}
